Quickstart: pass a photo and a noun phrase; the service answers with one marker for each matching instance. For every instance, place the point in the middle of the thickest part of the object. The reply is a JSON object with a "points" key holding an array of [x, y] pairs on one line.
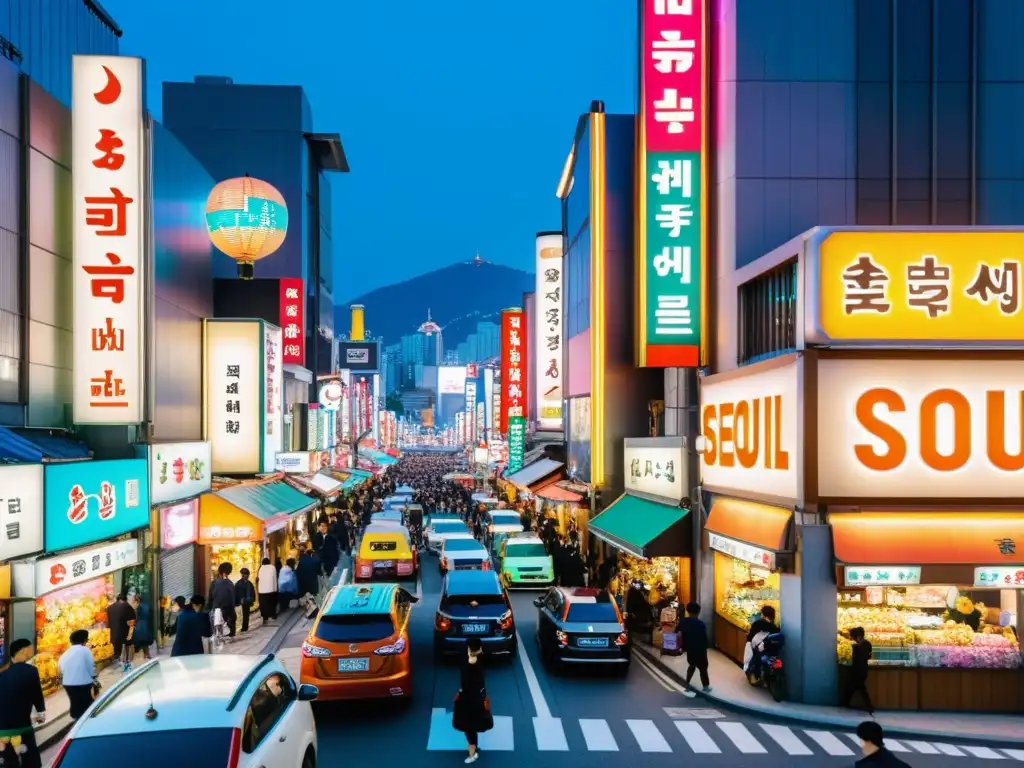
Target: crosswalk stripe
{"points": [[742, 738], [598, 736], [697, 738], [786, 739], [550, 734], [1016, 754], [923, 747], [648, 736], [891, 744], [949, 749], [985, 753], [829, 743]]}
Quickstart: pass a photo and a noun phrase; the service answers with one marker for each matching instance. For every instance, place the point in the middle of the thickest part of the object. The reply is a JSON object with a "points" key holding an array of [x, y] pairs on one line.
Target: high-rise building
{"points": [[393, 366]]}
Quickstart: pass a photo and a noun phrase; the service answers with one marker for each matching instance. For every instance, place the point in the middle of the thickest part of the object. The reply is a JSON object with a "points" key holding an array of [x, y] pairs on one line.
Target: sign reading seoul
{"points": [[671, 216], [749, 424], [108, 193], [514, 388], [920, 428], [88, 501], [293, 321]]}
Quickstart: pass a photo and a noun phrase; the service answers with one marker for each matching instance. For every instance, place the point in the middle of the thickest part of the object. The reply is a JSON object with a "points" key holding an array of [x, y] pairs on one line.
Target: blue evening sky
{"points": [[456, 115]]}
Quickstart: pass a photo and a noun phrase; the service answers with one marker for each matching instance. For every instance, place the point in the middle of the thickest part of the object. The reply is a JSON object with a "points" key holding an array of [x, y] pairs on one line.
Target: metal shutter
{"points": [[177, 572]]}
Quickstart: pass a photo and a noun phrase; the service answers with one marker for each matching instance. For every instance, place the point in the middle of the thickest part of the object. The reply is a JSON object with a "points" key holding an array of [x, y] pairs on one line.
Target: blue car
{"points": [[581, 626], [474, 604]]}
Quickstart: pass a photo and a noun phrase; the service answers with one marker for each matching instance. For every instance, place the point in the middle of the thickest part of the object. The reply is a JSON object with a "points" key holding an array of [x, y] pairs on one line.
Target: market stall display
{"points": [[58, 614], [243, 554], [660, 574], [741, 590]]}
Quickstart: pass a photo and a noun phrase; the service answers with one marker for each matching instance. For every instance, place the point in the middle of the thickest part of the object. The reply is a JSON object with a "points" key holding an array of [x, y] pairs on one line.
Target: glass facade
{"points": [[768, 312], [577, 233]]}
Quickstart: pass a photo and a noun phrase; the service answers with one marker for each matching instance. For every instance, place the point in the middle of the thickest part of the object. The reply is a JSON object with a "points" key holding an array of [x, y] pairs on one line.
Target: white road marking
{"points": [[419, 584], [985, 753], [550, 734], [539, 703], [949, 749], [786, 739], [648, 736], [891, 744], [742, 738], [1016, 754], [697, 738], [598, 736], [923, 747], [687, 713], [660, 677], [829, 742]]}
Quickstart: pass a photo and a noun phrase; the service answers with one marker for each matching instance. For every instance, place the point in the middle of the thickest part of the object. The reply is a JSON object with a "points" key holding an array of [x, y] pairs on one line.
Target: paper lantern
{"points": [[247, 220]]}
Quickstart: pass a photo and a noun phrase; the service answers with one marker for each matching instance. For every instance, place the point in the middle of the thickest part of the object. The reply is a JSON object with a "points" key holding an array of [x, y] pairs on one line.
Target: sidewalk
{"points": [[730, 688]]}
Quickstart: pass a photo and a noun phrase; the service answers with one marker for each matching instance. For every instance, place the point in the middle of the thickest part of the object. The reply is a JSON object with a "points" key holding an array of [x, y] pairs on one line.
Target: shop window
{"points": [[767, 310], [935, 626], [741, 590]]}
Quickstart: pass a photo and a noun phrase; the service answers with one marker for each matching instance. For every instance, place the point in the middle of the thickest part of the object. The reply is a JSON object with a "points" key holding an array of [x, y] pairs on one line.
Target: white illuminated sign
{"points": [[656, 468], [107, 151], [881, 576], [1001, 576], [919, 428], [178, 471], [451, 379], [273, 395], [745, 552], [550, 332], [233, 392], [70, 568], [21, 510], [471, 425]]}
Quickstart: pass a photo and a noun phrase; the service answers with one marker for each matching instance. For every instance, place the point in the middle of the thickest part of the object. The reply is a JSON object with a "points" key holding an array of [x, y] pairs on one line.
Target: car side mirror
{"points": [[538, 602], [308, 692]]}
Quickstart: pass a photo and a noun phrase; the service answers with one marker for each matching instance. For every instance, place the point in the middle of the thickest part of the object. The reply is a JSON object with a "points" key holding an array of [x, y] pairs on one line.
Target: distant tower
{"points": [[430, 328]]}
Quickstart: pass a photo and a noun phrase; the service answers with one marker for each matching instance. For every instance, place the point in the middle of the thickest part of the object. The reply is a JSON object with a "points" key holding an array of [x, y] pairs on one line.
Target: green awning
{"points": [[273, 503], [645, 528]]}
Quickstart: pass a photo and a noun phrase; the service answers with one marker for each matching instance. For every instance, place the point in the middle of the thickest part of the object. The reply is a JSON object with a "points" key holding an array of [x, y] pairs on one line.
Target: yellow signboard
{"points": [[921, 286]]}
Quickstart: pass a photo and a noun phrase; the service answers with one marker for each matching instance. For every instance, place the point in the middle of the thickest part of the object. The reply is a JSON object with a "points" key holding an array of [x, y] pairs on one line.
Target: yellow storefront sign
{"points": [[221, 522], [921, 286]]}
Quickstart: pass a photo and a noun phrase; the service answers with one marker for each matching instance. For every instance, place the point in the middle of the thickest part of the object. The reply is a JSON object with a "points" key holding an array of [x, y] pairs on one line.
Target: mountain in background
{"points": [[457, 296]]}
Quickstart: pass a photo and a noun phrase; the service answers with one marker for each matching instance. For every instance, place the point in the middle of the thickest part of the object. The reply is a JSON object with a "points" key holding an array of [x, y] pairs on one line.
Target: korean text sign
{"points": [[920, 287], [178, 471], [234, 391], [109, 205], [21, 510], [273, 396], [89, 501], [514, 371], [293, 321], [550, 331], [516, 443], [70, 568], [671, 216]]}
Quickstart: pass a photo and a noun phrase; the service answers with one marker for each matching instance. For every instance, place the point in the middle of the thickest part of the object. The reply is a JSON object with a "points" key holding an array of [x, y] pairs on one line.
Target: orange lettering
{"points": [[781, 456], [749, 429], [725, 446], [710, 438], [895, 442], [995, 432], [961, 430]]}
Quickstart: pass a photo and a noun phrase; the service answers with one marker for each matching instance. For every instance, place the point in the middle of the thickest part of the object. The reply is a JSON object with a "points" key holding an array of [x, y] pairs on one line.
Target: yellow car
{"points": [[385, 553]]}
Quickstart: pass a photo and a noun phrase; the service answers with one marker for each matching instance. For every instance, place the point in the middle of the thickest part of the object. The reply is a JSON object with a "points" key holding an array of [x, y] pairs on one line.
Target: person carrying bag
{"points": [[472, 712]]}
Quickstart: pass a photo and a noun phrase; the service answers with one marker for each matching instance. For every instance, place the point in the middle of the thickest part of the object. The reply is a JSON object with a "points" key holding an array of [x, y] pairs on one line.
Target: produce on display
{"points": [[741, 590], [244, 554], [58, 614]]}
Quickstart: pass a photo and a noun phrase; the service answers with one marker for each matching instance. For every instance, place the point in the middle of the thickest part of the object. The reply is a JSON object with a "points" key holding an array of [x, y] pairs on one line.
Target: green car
{"points": [[525, 562]]}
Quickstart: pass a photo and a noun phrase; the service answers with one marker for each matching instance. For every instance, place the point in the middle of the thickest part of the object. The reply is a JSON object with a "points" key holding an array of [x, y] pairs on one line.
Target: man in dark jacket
{"points": [[20, 692], [308, 572], [193, 626], [222, 595], [245, 596], [875, 754], [693, 636], [328, 547], [120, 620]]}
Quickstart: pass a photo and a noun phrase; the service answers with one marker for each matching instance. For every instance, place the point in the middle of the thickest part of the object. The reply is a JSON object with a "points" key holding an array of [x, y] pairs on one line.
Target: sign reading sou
{"points": [[550, 331], [671, 230], [293, 326], [516, 443], [514, 370], [109, 205], [656, 466], [233, 395]]}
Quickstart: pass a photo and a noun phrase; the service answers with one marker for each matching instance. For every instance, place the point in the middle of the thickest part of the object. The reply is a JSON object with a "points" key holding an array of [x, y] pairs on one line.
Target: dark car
{"points": [[581, 626], [474, 604]]}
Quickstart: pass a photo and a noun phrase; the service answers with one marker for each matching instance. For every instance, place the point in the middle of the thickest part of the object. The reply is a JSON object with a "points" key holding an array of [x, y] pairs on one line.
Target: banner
{"points": [[550, 331], [514, 370]]}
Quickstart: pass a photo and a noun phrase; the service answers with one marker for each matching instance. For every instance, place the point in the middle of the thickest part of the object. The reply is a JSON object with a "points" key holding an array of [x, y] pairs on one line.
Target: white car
{"points": [[203, 711], [443, 529], [463, 554]]}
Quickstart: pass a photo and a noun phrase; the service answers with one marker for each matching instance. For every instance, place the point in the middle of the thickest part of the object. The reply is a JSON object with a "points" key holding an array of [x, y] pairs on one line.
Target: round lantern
{"points": [[247, 220]]}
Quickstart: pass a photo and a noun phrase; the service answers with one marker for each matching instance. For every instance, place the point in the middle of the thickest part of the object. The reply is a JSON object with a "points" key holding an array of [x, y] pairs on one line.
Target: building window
{"points": [[767, 309]]}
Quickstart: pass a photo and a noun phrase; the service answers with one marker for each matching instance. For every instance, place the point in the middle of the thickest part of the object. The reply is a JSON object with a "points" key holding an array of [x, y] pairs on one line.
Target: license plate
{"points": [[475, 629], [384, 564], [354, 665], [592, 642]]}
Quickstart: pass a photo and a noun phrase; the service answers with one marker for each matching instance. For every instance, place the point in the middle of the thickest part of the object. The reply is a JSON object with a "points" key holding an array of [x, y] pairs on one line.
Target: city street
{"points": [[583, 718]]}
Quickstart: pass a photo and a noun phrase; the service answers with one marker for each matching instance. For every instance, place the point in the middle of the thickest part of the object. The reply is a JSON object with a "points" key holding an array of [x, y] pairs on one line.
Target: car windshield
{"points": [[603, 612], [207, 748], [452, 527], [383, 546], [462, 545], [462, 606], [354, 628], [526, 550]]}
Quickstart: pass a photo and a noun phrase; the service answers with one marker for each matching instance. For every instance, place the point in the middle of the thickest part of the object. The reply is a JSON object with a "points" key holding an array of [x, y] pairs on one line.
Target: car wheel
{"points": [[309, 759]]}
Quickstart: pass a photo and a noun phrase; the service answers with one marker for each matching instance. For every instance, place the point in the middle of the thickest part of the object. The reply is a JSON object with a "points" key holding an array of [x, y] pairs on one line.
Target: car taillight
{"points": [[404, 567], [563, 639], [391, 650], [444, 563], [60, 755], [442, 623], [364, 568], [235, 751], [485, 565], [505, 620], [314, 651], [622, 639]]}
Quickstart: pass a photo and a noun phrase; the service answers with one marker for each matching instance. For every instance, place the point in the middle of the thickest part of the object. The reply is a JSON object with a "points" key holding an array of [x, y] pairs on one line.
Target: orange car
{"points": [[358, 647]]}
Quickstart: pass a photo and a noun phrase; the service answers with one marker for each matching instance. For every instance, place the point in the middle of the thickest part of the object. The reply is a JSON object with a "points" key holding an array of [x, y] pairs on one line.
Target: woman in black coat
{"points": [[472, 713]]}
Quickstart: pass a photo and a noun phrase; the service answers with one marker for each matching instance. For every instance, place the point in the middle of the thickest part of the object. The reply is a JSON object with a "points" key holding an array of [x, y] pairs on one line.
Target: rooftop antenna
{"points": [[151, 713]]}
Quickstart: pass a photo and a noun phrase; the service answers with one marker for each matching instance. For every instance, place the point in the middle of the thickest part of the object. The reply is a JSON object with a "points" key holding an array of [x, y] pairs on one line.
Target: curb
{"points": [[773, 712], [278, 638]]}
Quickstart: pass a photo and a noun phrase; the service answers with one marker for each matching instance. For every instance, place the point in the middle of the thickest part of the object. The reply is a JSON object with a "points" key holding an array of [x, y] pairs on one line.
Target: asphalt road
{"points": [[583, 718]]}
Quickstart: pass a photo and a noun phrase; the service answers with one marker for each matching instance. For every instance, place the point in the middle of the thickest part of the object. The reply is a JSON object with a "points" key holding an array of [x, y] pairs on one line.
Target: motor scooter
{"points": [[766, 669]]}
